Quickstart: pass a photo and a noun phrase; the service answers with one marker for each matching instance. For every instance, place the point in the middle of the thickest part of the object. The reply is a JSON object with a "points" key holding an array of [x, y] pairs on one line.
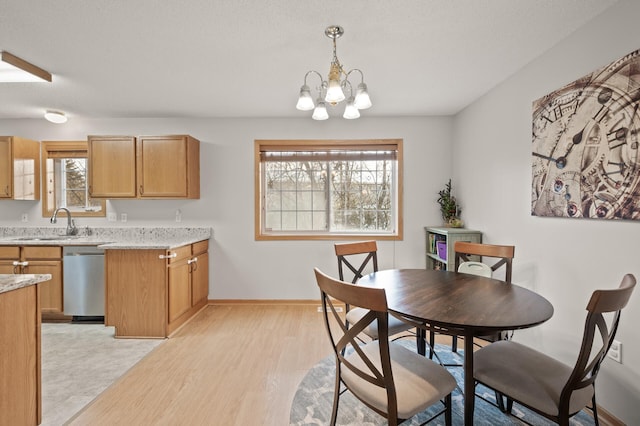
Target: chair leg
{"points": [[454, 344], [500, 402], [336, 398], [432, 343], [594, 408], [447, 413], [509, 405]]}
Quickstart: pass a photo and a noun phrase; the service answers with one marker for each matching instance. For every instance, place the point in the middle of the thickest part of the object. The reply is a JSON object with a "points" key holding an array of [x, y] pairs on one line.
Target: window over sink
{"points": [[64, 179]]}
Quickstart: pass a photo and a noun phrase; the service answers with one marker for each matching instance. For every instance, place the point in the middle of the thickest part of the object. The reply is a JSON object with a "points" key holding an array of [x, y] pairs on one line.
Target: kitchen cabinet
{"points": [[152, 292], [20, 385], [37, 260], [153, 167], [19, 168]]}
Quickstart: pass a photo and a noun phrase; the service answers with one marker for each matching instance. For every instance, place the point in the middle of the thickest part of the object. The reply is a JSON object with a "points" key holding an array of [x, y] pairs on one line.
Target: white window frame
{"points": [[263, 147]]}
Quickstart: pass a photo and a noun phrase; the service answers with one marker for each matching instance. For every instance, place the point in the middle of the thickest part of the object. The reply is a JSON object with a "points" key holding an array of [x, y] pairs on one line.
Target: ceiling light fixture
{"points": [[331, 91], [55, 117], [16, 70]]}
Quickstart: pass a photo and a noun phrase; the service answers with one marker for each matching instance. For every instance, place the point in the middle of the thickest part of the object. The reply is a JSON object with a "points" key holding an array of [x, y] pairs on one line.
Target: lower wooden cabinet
{"points": [[150, 293], [20, 321], [37, 260]]}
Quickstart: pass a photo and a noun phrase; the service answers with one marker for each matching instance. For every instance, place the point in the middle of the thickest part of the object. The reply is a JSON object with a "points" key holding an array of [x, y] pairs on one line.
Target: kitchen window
{"points": [[328, 189], [64, 179]]}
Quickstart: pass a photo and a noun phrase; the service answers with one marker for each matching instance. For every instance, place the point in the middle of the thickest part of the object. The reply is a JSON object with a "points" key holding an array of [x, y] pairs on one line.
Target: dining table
{"points": [[462, 304]]}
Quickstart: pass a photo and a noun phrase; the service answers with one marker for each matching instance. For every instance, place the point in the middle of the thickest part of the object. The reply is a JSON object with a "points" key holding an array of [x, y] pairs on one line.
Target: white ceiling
{"points": [[247, 58]]}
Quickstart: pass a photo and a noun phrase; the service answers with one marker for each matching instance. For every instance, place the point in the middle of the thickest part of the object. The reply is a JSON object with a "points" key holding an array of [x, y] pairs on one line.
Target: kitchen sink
{"points": [[48, 238]]}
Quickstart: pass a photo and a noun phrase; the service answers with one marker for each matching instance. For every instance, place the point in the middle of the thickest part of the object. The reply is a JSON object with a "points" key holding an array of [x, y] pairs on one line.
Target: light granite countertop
{"points": [[140, 238], [10, 282]]}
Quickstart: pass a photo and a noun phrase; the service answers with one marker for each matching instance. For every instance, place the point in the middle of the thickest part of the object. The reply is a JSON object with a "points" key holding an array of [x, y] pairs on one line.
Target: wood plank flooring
{"points": [[231, 365]]}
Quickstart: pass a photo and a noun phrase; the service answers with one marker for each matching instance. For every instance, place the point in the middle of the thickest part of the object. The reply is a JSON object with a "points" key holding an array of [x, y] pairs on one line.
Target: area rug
{"points": [[79, 361], [314, 398]]}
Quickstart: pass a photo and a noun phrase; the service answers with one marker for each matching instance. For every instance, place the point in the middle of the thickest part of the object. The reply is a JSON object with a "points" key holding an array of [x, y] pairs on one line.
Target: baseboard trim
{"points": [[608, 419], [264, 302]]}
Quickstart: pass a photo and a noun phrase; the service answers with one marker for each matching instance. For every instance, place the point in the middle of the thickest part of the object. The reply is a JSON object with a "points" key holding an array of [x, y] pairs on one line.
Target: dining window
{"points": [[328, 189]]}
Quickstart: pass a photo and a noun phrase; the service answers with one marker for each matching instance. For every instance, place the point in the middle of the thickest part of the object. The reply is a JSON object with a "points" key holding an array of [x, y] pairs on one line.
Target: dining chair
{"points": [[385, 376], [484, 260], [360, 258], [545, 385]]}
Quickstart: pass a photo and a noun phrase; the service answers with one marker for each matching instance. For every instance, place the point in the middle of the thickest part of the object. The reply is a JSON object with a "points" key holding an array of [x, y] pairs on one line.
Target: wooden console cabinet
{"points": [[448, 236], [150, 293]]}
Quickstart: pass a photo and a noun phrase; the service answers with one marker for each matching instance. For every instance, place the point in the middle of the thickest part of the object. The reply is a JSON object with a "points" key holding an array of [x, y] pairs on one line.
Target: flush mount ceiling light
{"points": [[332, 90], [55, 117], [16, 70]]}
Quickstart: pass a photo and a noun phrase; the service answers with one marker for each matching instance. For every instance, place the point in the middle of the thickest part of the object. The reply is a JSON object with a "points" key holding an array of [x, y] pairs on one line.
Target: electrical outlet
{"points": [[123, 217], [615, 352], [178, 215], [25, 217], [112, 217]]}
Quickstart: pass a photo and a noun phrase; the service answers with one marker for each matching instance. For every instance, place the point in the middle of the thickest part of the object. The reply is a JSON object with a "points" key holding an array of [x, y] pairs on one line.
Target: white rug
{"points": [[79, 361]]}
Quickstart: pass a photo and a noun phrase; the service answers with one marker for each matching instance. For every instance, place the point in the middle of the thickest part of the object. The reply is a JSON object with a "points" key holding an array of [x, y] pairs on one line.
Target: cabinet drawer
{"points": [[41, 252], [200, 247], [180, 252], [9, 252]]}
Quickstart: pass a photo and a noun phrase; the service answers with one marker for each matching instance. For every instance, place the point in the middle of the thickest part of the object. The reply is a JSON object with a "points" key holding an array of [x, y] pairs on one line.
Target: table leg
{"points": [[469, 391]]}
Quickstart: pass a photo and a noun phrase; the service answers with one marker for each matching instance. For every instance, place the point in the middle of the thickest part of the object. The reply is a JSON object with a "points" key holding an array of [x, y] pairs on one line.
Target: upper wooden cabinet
{"points": [[19, 168], [144, 167]]}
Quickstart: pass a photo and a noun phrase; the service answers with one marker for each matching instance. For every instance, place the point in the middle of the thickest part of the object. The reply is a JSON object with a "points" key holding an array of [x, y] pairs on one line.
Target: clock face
{"points": [[585, 151]]}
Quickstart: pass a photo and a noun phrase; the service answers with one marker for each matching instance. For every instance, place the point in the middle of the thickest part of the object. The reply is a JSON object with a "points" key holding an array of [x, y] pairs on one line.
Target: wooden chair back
{"points": [[344, 340], [349, 253], [501, 255], [591, 353]]}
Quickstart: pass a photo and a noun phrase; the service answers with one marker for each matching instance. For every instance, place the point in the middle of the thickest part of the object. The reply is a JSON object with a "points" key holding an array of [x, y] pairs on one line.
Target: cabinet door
{"points": [[200, 278], [162, 166], [20, 367], [6, 169], [179, 289], [51, 296], [26, 169], [112, 166]]}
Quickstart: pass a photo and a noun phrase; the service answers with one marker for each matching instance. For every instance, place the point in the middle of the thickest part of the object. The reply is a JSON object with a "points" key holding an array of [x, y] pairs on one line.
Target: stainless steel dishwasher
{"points": [[83, 275]]}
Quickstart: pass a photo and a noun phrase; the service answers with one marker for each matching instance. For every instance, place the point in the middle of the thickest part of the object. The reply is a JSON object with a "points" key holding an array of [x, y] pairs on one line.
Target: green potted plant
{"points": [[449, 207]]}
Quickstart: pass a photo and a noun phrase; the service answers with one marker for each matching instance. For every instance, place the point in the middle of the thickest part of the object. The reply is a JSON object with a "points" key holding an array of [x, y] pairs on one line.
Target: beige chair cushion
{"points": [[527, 375], [395, 325], [419, 381]]}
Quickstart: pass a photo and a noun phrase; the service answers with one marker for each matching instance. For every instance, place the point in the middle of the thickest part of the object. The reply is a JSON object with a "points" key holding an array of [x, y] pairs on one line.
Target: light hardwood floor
{"points": [[231, 365]]}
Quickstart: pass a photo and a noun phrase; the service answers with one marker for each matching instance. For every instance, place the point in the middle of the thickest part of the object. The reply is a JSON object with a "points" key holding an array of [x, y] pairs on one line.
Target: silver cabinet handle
{"points": [[17, 263], [190, 261], [168, 256]]}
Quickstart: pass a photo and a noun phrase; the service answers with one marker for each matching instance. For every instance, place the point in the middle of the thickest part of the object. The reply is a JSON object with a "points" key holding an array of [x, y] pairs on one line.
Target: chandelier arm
{"points": [[361, 74], [316, 73]]}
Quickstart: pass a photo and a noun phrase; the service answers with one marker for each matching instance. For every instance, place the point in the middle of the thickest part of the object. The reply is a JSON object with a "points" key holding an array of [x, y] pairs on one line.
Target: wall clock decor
{"points": [[585, 155]]}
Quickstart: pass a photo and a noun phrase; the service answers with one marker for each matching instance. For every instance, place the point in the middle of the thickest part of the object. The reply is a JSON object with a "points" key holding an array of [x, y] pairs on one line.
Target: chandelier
{"points": [[332, 90]]}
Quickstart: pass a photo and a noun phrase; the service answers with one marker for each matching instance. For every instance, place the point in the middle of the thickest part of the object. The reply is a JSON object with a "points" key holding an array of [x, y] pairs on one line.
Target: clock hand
{"points": [[560, 161]]}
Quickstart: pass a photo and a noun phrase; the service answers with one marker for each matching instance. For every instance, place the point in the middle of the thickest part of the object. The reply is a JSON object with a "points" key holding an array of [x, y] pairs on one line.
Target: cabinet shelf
{"points": [[448, 236]]}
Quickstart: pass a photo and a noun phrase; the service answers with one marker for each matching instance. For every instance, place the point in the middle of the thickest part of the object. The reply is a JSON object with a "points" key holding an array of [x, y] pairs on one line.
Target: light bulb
{"points": [[305, 101], [351, 112], [320, 113], [362, 97]]}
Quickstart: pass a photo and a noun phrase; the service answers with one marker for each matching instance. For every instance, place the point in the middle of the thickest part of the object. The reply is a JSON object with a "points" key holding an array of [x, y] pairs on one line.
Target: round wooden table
{"points": [[463, 304]]}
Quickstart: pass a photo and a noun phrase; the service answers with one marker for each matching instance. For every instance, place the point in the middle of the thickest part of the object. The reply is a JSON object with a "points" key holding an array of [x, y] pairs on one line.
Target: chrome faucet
{"points": [[71, 226]]}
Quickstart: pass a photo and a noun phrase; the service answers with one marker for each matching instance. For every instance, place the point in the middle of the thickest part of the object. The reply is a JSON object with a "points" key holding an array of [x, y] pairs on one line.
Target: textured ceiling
{"points": [[242, 58]]}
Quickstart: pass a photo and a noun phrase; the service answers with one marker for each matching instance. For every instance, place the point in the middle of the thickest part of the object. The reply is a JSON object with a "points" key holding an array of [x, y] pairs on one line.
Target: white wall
{"points": [[563, 259], [242, 268]]}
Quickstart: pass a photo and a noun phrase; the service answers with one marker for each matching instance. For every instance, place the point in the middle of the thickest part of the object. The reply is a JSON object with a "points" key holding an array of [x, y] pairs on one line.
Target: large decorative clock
{"points": [[586, 158]]}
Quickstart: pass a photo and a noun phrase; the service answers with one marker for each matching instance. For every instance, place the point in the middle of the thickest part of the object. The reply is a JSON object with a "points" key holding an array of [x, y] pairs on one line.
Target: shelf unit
{"points": [[433, 234]]}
